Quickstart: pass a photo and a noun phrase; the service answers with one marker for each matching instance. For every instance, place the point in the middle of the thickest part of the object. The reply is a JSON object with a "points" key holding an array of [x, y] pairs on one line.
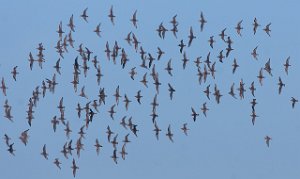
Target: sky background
{"points": [[225, 144]]}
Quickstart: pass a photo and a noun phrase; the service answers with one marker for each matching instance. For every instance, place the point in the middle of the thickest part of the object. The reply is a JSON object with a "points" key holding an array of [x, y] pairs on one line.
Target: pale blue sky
{"points": [[223, 145]]}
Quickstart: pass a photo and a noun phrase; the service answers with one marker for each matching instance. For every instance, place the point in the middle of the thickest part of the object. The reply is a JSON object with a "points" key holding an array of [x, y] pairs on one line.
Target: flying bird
{"points": [[84, 15], [202, 21], [267, 29]]}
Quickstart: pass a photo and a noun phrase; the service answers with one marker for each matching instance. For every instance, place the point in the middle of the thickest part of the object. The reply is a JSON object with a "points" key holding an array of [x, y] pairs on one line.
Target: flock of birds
{"points": [[85, 56]]}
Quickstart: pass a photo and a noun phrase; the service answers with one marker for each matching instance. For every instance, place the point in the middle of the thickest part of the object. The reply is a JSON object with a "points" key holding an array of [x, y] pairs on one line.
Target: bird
{"points": [[114, 156], [260, 76], [134, 19], [24, 137], [109, 133], [3, 86], [222, 34], [74, 167], [144, 80], [11, 150], [207, 91], [287, 65], [267, 139], [194, 114], [117, 95], [169, 133], [71, 23], [253, 104], [157, 130], [169, 67], [97, 30], [202, 21], [280, 84], [14, 72], [267, 29], [57, 163], [171, 90], [191, 37], [254, 116], [126, 140], [294, 101], [84, 15], [138, 96], [44, 152], [57, 66], [111, 15], [132, 73], [252, 89], [235, 66], [126, 101], [231, 92], [254, 53], [185, 60], [185, 129], [204, 109], [160, 53], [181, 45], [123, 152], [255, 25], [239, 28], [112, 111], [268, 67], [211, 41]]}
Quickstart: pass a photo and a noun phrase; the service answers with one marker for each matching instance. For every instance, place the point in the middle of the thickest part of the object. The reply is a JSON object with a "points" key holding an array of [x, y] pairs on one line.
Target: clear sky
{"points": [[223, 145]]}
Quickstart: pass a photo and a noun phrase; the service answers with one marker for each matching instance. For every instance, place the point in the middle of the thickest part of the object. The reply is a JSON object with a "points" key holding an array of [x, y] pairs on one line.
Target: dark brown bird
{"points": [[255, 25], [252, 89], [84, 15], [204, 109], [223, 35], [138, 96], [185, 129], [294, 101], [123, 152], [112, 111], [267, 139], [157, 130], [74, 167], [134, 19], [71, 24], [11, 150], [211, 41], [191, 37], [260, 76], [3, 86], [44, 152], [194, 114], [287, 65], [144, 80], [114, 156], [239, 28], [111, 15], [170, 134], [267, 29], [268, 67], [57, 163], [254, 116], [171, 90], [169, 67], [202, 21], [235, 66], [98, 30], [254, 53], [181, 45], [280, 84], [14, 73], [231, 92]]}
